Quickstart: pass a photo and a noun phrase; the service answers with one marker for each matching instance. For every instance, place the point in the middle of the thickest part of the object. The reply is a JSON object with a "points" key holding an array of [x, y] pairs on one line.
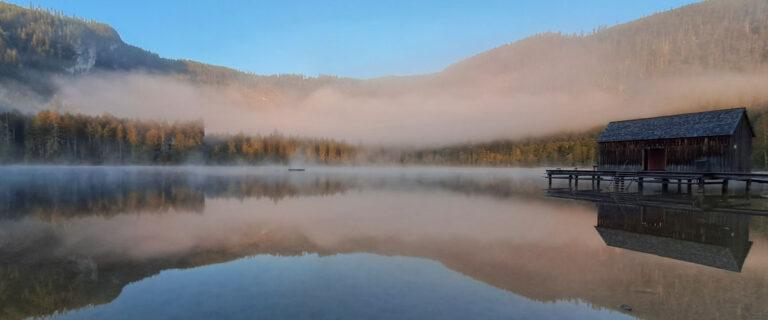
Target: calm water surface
{"points": [[367, 243]]}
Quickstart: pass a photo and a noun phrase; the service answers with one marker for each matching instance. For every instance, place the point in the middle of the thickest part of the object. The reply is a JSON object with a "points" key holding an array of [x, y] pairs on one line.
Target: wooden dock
{"points": [[622, 180]]}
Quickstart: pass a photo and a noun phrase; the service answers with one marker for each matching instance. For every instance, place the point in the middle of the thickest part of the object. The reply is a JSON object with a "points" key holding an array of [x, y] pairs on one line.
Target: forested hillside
{"points": [[704, 38], [707, 55], [36, 44], [52, 137], [709, 37]]}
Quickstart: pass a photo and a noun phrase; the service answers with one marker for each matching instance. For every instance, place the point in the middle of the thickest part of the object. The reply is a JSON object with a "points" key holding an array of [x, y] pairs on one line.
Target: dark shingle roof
{"points": [[700, 124]]}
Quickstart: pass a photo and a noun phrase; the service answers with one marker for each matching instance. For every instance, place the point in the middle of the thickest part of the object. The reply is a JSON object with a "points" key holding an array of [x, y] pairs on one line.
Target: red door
{"points": [[655, 159]]}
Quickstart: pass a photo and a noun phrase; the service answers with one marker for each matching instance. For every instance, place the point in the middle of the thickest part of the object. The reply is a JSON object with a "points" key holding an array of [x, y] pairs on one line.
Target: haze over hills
{"points": [[705, 55]]}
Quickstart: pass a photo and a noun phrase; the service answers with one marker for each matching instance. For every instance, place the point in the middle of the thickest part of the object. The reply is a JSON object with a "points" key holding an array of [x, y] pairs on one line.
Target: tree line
{"points": [[571, 149], [275, 148], [575, 149], [53, 137]]}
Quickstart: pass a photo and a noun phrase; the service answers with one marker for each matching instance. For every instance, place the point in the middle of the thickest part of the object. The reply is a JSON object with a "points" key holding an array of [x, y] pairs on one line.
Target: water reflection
{"points": [[66, 191], [710, 231], [496, 226], [707, 238]]}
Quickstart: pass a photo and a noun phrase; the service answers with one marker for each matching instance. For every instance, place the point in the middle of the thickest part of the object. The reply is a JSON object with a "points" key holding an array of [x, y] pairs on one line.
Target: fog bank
{"points": [[380, 112]]}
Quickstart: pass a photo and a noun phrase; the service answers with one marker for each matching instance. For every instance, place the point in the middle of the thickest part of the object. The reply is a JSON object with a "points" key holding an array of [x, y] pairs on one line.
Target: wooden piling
{"points": [[619, 180]]}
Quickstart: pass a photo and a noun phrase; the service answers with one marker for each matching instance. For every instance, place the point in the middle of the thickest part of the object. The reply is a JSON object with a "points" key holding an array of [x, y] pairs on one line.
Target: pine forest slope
{"points": [[707, 55]]}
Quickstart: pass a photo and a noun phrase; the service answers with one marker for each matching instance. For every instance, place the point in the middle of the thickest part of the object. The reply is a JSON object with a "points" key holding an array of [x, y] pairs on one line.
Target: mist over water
{"points": [[294, 240], [365, 238]]}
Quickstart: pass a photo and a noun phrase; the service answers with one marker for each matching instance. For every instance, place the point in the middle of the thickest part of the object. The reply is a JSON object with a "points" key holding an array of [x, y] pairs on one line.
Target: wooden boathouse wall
{"points": [[722, 153], [742, 140]]}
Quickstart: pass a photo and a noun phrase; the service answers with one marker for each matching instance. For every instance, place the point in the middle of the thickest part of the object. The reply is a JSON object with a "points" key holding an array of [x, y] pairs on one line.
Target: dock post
{"points": [[690, 186], [576, 184], [570, 181], [549, 177], [748, 186], [664, 185], [640, 184], [679, 185], [599, 178], [725, 186]]}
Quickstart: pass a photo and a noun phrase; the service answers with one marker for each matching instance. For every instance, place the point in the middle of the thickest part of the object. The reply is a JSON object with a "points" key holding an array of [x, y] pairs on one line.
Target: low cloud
{"points": [[427, 111]]}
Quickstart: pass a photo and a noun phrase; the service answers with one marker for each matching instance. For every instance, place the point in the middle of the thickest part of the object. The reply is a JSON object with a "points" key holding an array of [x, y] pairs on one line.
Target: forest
{"points": [[571, 149], [53, 137], [564, 149], [712, 36]]}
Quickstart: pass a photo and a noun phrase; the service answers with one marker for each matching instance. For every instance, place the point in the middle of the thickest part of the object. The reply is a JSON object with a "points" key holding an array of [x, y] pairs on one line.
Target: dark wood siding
{"points": [[742, 147], [731, 152], [684, 154]]}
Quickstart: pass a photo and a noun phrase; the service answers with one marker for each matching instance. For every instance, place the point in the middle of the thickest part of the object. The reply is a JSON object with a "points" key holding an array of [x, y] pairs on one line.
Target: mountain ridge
{"points": [[704, 55]]}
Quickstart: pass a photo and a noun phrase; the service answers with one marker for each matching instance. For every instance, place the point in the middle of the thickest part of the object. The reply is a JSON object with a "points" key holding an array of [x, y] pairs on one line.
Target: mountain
{"points": [[705, 55], [710, 37], [36, 45]]}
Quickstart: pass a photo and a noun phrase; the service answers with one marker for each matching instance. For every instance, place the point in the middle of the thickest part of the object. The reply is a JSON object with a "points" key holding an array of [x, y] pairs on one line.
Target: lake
{"points": [[368, 243]]}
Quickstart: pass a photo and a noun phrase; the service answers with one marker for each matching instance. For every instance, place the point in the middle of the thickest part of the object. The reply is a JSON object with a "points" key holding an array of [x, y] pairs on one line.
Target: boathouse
{"points": [[712, 141]]}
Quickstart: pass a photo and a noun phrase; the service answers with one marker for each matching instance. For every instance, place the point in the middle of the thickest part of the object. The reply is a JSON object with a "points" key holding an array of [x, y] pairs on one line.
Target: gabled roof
{"points": [[688, 125]]}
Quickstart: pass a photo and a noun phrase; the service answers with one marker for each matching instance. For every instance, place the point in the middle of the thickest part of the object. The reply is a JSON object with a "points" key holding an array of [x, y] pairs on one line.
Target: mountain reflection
{"points": [[37, 281], [70, 191], [109, 191], [494, 227]]}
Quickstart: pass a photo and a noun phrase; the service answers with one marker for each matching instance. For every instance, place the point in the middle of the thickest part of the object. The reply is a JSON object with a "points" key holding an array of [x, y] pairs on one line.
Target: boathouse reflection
{"points": [[719, 240]]}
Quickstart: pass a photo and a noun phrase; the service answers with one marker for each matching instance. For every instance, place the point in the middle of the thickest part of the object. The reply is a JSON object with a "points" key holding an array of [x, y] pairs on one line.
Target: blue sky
{"points": [[354, 38]]}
